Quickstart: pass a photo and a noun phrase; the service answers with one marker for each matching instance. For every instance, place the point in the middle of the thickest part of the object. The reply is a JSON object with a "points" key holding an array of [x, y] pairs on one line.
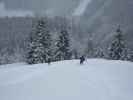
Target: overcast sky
{"points": [[56, 7]]}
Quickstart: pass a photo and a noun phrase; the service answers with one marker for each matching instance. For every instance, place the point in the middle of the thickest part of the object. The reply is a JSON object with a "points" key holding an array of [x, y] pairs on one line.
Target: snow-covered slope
{"points": [[67, 80]]}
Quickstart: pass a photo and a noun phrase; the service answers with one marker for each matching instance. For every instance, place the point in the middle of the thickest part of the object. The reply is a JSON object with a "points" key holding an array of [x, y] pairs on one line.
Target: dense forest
{"points": [[15, 33]]}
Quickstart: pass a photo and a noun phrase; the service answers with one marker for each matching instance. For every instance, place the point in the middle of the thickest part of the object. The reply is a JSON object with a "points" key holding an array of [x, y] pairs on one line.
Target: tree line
{"points": [[42, 47]]}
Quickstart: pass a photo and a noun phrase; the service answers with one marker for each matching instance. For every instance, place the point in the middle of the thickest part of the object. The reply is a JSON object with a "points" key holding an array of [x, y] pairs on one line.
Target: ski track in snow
{"points": [[97, 79], [81, 8]]}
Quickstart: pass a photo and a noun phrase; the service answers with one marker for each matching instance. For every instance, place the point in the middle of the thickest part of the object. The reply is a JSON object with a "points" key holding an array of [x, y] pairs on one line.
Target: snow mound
{"points": [[97, 79]]}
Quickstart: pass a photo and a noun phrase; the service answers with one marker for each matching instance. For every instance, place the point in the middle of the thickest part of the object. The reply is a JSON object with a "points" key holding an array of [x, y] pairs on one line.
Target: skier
{"points": [[82, 59]]}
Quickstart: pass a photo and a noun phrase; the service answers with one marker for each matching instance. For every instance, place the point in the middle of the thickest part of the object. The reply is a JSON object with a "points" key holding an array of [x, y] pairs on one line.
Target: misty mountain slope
{"points": [[97, 79], [81, 8], [110, 10], [14, 31], [103, 17], [43, 7]]}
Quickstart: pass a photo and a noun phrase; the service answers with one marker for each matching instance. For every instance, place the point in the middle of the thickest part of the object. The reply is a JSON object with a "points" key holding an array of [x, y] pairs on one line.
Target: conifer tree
{"points": [[130, 55], [39, 47], [117, 49], [90, 48], [99, 53], [63, 46], [75, 54]]}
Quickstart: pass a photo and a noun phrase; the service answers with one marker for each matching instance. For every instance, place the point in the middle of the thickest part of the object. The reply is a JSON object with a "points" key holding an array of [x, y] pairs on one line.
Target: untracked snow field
{"points": [[97, 79]]}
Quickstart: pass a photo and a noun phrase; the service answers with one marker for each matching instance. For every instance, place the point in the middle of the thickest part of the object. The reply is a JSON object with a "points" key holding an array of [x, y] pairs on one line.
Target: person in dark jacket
{"points": [[82, 59]]}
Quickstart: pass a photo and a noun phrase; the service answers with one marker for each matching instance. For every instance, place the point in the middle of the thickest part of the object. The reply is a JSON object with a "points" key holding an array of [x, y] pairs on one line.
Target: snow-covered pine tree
{"points": [[117, 49], [99, 53], [89, 52], [75, 54], [39, 47], [130, 55], [63, 51]]}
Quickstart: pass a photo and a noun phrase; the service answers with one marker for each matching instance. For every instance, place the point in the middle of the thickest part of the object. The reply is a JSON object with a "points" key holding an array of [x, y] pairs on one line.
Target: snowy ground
{"points": [[67, 80]]}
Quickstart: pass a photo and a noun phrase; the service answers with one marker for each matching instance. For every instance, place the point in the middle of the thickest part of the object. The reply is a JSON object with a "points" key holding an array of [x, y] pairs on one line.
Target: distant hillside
{"points": [[13, 31], [103, 16]]}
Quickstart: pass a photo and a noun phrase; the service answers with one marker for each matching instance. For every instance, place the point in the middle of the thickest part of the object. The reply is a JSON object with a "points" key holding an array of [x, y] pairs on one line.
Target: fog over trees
{"points": [[90, 33], [15, 33]]}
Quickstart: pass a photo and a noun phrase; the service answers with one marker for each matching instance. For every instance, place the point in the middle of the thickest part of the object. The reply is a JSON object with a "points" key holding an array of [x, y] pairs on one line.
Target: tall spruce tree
{"points": [[117, 49], [63, 51], [90, 48], [99, 53], [39, 47], [75, 54]]}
